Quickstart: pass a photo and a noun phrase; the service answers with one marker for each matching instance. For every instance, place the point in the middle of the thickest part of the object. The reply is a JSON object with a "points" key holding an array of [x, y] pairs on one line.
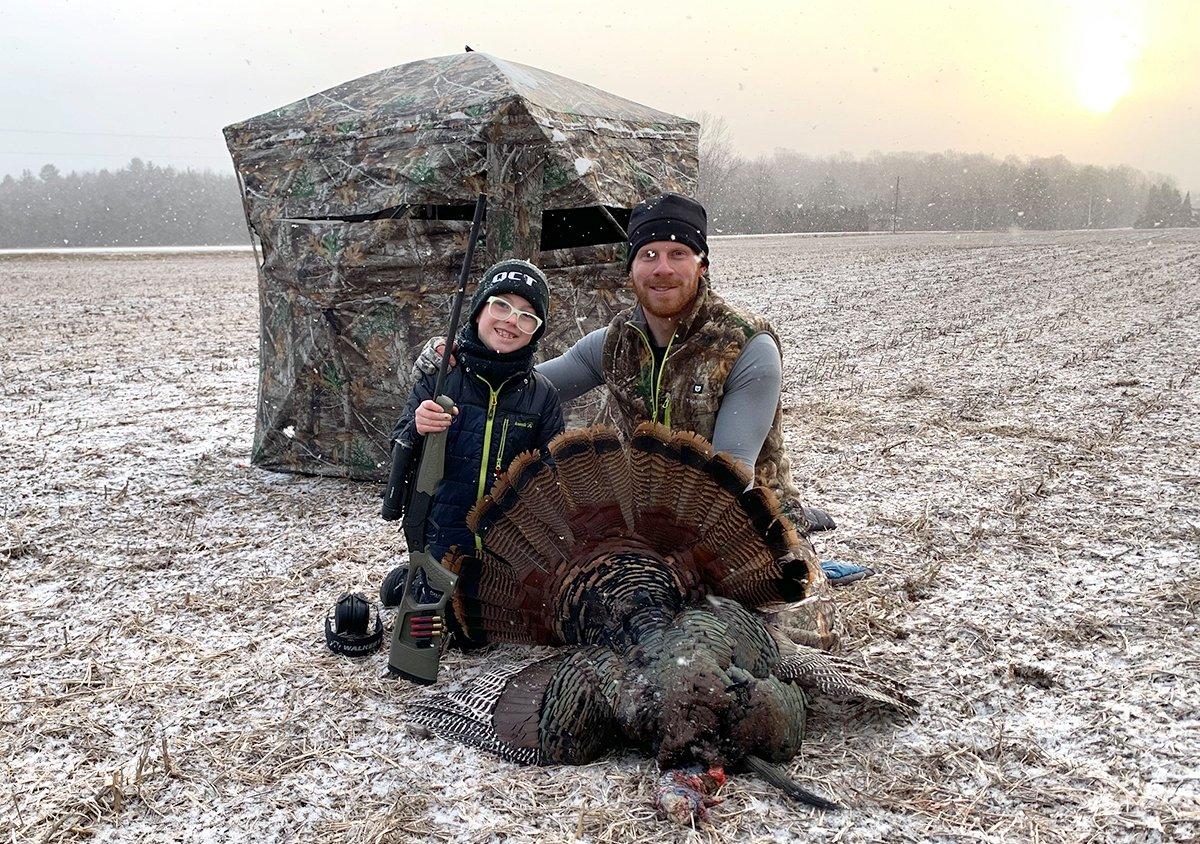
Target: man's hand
{"points": [[430, 417], [430, 358]]}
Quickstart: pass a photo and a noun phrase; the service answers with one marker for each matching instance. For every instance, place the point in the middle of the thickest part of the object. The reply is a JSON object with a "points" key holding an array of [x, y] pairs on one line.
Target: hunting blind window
{"points": [[568, 228]]}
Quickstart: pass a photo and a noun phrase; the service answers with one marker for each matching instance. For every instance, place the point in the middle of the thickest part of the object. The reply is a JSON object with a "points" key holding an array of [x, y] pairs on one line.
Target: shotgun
{"points": [[420, 619]]}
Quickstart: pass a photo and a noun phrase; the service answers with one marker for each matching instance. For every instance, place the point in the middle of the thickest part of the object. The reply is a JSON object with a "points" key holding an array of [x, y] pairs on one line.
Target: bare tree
{"points": [[718, 162]]}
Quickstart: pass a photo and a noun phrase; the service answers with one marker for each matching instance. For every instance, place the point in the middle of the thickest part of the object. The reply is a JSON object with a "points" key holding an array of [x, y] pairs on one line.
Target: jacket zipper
{"points": [[503, 440], [493, 398], [658, 376]]}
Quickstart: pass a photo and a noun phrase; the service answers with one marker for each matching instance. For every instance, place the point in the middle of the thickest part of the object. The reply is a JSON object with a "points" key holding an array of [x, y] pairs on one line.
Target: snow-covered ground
{"points": [[1007, 426]]}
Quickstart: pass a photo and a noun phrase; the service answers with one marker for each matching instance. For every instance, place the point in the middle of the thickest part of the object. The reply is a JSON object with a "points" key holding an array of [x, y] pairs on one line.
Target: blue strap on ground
{"points": [[840, 573]]}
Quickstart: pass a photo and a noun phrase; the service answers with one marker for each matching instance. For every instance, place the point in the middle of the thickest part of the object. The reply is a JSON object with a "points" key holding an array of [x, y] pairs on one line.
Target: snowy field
{"points": [[1007, 426]]}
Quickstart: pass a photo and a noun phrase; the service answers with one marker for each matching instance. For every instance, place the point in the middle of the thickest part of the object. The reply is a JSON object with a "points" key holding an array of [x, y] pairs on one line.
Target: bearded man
{"points": [[683, 357]]}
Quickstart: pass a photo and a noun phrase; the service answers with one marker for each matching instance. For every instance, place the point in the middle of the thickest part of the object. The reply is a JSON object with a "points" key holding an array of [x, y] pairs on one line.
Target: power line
{"points": [[110, 134]]}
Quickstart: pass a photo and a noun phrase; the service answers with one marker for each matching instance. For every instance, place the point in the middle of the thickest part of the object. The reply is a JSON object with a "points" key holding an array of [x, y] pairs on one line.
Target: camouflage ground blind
{"points": [[360, 198]]}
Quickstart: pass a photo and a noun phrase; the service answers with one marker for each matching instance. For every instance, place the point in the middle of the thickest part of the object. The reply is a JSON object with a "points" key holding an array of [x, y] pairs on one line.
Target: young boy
{"points": [[503, 407]]}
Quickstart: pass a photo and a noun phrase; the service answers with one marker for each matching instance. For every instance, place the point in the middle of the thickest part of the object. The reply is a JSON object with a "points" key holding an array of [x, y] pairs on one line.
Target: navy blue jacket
{"points": [[527, 415]]}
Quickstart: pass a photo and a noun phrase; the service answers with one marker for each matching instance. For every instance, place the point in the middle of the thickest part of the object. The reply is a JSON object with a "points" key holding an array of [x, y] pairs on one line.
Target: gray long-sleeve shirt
{"points": [[747, 406]]}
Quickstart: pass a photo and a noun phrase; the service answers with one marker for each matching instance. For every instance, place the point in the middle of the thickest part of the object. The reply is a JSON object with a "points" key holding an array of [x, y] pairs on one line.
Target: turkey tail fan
{"points": [[678, 483], [546, 519], [695, 500], [760, 582], [530, 483], [487, 604], [766, 516], [764, 558], [614, 468], [575, 466], [694, 505], [757, 521], [513, 524], [503, 538], [544, 497], [775, 776], [728, 479], [816, 670], [584, 462], [554, 711], [655, 460], [522, 521]]}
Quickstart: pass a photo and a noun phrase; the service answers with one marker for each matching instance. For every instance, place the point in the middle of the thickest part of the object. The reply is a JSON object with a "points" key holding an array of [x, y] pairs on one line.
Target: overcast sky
{"points": [[91, 84]]}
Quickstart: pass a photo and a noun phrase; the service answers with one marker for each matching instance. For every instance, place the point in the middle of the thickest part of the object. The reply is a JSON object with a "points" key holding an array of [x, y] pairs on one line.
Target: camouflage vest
{"points": [[707, 341]]}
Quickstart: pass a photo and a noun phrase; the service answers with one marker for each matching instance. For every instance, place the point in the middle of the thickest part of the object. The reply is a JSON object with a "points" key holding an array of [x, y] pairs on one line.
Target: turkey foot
{"points": [[686, 794]]}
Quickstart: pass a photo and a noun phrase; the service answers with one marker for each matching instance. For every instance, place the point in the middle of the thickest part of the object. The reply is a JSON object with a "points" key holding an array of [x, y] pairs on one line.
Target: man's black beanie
{"points": [[515, 276], [668, 217]]}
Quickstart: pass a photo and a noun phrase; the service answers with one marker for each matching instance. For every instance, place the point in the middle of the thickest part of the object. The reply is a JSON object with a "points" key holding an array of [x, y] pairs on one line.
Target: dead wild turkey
{"points": [[642, 560]]}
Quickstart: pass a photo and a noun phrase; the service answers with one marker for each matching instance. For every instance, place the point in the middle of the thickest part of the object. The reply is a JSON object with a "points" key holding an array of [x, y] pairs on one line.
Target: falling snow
{"points": [[1004, 425]]}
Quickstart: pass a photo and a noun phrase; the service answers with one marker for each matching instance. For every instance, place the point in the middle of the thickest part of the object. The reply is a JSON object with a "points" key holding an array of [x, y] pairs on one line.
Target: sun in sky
{"points": [[1106, 42]]}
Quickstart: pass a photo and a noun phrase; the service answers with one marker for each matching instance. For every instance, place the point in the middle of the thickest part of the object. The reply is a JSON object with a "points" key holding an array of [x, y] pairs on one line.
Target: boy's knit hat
{"points": [[515, 276]]}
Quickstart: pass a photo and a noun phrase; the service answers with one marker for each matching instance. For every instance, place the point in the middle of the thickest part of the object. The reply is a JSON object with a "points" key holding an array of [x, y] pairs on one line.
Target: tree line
{"points": [[143, 204], [789, 191], [140, 204], [1166, 208]]}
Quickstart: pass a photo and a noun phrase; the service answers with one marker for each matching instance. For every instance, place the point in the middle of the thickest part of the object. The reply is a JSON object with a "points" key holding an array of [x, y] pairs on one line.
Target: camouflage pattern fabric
{"points": [[708, 339], [356, 197]]}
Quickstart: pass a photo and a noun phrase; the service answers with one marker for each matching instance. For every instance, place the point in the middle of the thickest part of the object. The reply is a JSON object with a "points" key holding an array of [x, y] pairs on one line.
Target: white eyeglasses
{"points": [[502, 309]]}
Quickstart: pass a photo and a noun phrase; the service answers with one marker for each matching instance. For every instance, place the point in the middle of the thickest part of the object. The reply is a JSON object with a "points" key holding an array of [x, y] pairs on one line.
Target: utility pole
{"points": [[895, 204]]}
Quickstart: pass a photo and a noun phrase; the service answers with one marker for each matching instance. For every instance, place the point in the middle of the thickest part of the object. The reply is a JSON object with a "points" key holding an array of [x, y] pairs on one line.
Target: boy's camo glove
{"points": [[428, 360]]}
